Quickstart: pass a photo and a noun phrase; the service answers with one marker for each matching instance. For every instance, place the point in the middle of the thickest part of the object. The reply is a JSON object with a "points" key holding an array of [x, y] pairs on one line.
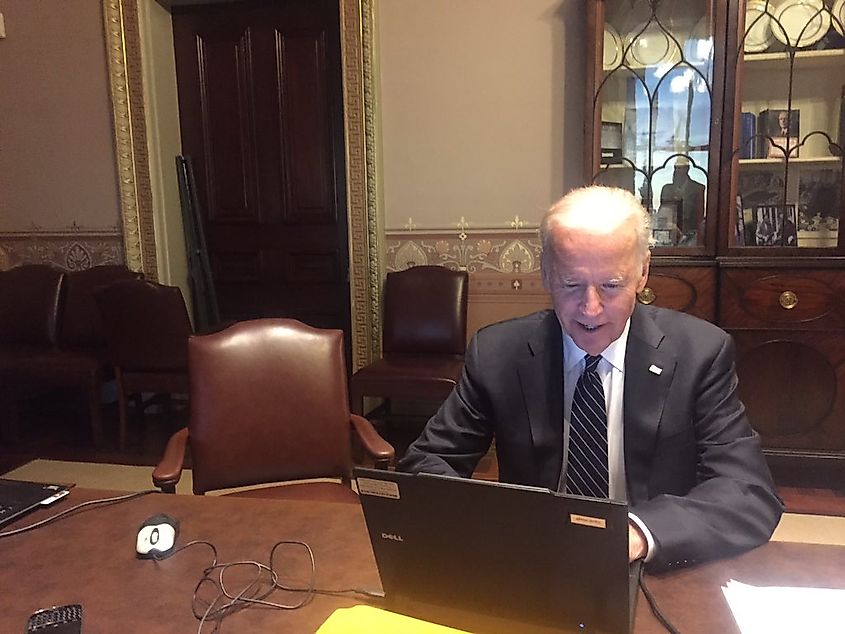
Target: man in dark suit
{"points": [[679, 447]]}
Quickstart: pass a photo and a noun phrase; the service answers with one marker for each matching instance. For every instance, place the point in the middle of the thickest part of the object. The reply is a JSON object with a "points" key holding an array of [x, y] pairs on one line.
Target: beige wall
{"points": [[57, 166], [479, 106], [59, 198], [472, 96]]}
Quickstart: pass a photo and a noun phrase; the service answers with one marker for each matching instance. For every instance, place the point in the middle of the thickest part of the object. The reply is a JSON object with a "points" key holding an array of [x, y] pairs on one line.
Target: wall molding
{"points": [[123, 55], [73, 248], [511, 252]]}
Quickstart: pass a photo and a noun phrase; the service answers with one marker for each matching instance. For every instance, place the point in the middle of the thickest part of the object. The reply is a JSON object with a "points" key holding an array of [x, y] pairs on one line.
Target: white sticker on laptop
{"points": [[586, 520], [379, 488]]}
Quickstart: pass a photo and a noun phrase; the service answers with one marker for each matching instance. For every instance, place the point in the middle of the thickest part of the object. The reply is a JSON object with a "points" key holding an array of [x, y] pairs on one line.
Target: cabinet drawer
{"points": [[776, 298], [685, 288], [790, 382]]}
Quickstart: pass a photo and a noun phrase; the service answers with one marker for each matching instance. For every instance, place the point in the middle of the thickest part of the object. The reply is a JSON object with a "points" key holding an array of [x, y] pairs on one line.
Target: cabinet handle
{"points": [[646, 296], [788, 300]]}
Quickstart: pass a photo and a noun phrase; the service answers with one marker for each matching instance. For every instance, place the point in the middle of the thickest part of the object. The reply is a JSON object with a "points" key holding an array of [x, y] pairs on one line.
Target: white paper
{"points": [[779, 610]]}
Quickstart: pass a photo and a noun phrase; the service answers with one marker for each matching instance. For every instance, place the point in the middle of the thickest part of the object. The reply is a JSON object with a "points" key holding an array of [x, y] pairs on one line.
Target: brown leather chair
{"points": [[83, 358], [423, 339], [29, 307], [65, 345], [148, 329], [268, 405]]}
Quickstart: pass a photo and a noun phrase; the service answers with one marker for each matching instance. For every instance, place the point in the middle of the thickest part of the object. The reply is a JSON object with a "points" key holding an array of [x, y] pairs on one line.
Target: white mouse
{"points": [[157, 537]]}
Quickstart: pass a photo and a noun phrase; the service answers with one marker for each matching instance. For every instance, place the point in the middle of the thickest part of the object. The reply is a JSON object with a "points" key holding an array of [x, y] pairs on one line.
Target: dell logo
{"points": [[392, 537]]}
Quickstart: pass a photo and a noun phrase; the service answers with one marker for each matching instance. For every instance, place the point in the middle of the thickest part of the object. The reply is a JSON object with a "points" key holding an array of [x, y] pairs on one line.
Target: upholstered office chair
{"points": [[83, 358], [148, 329], [29, 304], [268, 405], [423, 340]]}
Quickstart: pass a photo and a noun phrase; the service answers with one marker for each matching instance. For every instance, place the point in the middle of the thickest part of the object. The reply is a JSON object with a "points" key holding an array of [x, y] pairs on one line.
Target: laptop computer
{"points": [[481, 555], [18, 497]]}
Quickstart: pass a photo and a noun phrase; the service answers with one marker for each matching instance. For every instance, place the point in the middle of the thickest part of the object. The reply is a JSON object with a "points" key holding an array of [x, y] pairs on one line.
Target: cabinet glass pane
{"points": [[655, 106], [789, 132]]}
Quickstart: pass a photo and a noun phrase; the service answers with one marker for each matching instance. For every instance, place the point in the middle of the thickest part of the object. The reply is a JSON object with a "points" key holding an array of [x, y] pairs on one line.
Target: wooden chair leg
{"points": [[95, 414], [122, 406]]}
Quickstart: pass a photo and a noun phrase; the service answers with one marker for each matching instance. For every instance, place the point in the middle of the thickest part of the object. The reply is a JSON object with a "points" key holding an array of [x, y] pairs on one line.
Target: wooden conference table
{"points": [[89, 558]]}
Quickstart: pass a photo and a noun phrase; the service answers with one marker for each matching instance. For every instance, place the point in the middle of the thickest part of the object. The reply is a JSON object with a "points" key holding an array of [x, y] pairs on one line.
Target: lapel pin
{"points": [[655, 370]]}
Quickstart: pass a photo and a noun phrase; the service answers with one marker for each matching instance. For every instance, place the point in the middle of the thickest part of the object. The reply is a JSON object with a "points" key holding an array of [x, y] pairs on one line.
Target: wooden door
{"points": [[260, 101]]}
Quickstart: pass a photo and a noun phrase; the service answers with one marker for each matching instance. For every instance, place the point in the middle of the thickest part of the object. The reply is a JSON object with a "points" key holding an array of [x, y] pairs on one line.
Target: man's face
{"points": [[594, 279]]}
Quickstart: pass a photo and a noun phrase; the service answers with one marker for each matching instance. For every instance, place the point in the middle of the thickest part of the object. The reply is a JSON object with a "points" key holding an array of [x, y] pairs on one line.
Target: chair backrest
{"points": [[147, 325], [268, 404], [29, 304], [425, 311], [80, 325]]}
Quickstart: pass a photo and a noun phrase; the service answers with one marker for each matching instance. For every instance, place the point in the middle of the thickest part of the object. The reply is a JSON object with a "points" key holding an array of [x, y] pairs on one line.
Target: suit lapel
{"points": [[541, 379], [648, 375]]}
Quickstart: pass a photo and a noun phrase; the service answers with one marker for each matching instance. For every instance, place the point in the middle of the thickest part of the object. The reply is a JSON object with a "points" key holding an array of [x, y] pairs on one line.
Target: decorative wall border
{"points": [[474, 250], [70, 249], [123, 52]]}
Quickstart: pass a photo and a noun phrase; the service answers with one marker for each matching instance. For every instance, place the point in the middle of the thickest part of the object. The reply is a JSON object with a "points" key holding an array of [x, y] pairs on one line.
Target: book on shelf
{"points": [[747, 132], [779, 133]]}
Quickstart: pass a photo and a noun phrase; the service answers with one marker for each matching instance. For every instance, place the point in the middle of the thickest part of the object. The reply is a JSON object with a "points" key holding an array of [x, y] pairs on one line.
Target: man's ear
{"points": [[645, 269], [545, 272]]}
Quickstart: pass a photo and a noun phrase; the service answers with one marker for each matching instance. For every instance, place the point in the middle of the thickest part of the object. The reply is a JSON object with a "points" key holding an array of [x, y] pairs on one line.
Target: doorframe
{"points": [[365, 222]]}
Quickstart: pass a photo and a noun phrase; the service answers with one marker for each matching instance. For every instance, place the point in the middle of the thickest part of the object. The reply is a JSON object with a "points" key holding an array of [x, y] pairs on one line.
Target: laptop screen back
{"points": [[513, 552], [18, 497]]}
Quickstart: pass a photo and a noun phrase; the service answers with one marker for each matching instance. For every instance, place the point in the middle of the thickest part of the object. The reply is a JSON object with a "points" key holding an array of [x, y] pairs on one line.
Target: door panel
{"points": [[260, 107]]}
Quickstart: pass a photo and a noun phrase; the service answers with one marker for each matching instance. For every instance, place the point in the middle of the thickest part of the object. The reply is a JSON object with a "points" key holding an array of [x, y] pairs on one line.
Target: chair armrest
{"points": [[377, 448], [168, 471]]}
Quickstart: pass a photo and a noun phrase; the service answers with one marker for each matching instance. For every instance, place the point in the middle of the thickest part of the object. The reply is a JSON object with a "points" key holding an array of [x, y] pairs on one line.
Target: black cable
{"points": [[73, 509], [227, 601], [652, 603]]}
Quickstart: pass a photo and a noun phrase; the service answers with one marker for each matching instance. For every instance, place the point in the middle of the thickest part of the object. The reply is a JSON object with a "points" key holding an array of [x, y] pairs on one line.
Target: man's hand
{"points": [[637, 544]]}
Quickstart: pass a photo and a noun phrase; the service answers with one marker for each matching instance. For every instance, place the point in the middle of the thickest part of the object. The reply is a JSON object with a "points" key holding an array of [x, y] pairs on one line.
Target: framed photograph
{"points": [[662, 237], [779, 132], [611, 142], [760, 188], [776, 226]]}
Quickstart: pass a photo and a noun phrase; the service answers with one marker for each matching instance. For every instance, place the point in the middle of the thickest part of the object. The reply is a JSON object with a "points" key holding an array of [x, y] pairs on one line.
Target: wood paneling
{"points": [[260, 101]]}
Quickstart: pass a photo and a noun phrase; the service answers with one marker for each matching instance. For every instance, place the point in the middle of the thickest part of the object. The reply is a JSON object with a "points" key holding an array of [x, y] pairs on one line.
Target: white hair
{"points": [[596, 208]]}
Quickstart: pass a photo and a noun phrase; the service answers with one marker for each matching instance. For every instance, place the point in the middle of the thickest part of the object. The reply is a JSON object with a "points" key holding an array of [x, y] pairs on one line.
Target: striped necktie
{"points": [[587, 471]]}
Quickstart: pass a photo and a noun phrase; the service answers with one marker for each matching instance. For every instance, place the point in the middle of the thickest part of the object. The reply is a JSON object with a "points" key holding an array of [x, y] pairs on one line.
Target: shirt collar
{"points": [[614, 353]]}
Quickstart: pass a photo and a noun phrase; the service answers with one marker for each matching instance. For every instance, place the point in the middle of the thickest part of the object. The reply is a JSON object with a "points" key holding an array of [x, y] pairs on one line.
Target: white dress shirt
{"points": [[611, 369]]}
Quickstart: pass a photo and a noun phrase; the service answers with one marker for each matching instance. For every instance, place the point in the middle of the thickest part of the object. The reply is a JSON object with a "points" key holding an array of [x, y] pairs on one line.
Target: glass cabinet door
{"points": [[653, 103], [786, 167]]}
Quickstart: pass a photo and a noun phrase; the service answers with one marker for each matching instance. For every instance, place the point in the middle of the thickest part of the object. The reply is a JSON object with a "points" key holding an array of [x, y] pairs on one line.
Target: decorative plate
{"points": [[612, 50], [758, 27], [838, 12], [653, 46], [802, 22]]}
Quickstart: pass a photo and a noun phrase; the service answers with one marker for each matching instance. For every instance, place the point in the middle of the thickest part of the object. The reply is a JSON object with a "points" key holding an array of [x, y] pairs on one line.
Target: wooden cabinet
{"points": [[727, 119]]}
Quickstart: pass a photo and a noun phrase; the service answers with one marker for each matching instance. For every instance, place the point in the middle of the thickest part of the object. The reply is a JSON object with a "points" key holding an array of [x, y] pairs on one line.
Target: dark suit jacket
{"points": [[695, 473]]}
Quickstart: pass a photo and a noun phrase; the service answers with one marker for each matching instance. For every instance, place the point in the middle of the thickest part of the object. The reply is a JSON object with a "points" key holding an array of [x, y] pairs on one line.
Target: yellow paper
{"points": [[364, 619]]}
